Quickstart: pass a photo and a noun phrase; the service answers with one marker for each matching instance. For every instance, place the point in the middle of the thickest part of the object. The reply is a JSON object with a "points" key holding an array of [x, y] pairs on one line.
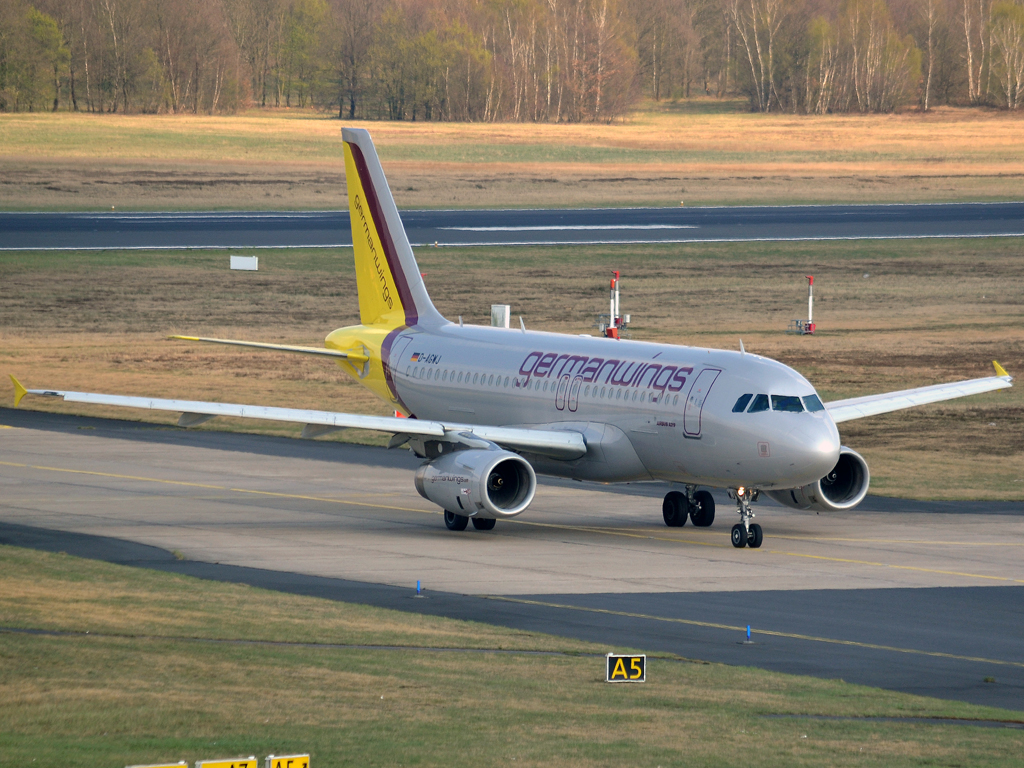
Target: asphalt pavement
{"points": [[901, 598], [330, 229]]}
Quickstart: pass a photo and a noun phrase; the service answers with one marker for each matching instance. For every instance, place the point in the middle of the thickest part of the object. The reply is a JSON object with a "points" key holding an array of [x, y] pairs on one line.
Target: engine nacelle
{"points": [[843, 488], [478, 483]]}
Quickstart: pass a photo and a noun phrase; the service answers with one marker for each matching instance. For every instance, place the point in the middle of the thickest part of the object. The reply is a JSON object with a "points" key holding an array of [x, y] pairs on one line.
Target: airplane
{"points": [[490, 408]]}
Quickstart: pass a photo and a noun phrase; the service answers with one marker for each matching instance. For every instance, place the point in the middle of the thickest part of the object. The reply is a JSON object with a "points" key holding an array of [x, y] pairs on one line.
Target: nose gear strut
{"points": [[746, 533]]}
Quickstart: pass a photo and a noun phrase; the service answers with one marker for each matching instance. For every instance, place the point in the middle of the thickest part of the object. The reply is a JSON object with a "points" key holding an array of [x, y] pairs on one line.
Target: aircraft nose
{"points": [[825, 445], [818, 451]]}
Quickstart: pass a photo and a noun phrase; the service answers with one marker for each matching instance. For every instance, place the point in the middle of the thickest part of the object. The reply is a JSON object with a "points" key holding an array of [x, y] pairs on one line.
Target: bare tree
{"points": [[1008, 39]]}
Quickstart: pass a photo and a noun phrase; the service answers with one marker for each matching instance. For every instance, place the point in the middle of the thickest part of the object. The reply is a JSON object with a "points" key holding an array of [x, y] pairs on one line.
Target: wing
{"points": [[279, 347], [548, 442], [872, 405]]}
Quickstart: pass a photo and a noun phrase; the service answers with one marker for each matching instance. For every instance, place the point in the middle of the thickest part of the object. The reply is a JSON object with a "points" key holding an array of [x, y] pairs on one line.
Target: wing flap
{"points": [[554, 443], [872, 405]]}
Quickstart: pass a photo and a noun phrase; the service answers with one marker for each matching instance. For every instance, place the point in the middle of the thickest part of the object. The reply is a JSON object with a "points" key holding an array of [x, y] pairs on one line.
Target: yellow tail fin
{"points": [[391, 289]]}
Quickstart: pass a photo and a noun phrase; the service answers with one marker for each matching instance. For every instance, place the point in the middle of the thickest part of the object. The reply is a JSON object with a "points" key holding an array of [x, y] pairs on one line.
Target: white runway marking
{"points": [[560, 227], [481, 243]]}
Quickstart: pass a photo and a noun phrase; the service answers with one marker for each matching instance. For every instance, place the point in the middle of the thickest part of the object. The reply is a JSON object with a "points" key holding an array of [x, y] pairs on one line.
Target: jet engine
{"points": [[478, 483], [843, 488]]}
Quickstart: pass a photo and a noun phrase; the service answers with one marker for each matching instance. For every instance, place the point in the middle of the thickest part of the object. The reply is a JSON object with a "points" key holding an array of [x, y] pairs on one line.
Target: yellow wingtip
{"points": [[184, 338], [19, 390], [1000, 371]]}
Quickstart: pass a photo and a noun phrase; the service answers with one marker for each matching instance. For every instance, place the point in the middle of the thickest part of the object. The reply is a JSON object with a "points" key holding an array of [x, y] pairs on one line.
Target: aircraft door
{"points": [[563, 386], [695, 401], [574, 393]]}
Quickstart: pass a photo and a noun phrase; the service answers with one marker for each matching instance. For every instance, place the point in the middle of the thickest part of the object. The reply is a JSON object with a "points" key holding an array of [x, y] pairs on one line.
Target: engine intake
{"points": [[843, 488], [478, 483]]}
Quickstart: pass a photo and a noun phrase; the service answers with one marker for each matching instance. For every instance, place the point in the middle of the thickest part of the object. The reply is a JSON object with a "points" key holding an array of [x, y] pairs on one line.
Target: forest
{"points": [[507, 60]]}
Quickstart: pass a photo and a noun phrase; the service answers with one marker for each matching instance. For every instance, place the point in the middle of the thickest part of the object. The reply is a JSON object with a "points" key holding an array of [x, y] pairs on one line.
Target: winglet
{"points": [[1000, 371], [19, 390]]}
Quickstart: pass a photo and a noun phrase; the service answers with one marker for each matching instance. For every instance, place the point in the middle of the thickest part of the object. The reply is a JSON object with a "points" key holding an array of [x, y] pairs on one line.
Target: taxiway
{"points": [[909, 596]]}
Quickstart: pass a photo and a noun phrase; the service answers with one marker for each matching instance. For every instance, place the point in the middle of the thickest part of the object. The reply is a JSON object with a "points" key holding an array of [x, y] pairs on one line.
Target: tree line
{"points": [[507, 60]]}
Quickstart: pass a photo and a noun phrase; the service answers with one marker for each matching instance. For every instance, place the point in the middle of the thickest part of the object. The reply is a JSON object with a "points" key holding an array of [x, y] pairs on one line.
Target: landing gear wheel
{"points": [[455, 522], [484, 523], [756, 536], [674, 509], [739, 536], [703, 511]]}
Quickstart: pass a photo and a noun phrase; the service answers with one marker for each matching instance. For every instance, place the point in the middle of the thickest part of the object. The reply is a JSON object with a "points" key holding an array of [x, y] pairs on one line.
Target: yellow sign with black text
{"points": [[625, 668], [287, 761], [235, 762]]}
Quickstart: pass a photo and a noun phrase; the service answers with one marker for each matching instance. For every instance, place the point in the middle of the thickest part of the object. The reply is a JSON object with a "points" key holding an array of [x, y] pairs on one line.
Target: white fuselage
{"points": [[647, 411]]}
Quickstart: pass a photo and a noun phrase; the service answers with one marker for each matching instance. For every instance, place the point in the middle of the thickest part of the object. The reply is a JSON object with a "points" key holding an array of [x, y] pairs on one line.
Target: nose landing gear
{"points": [[745, 533]]}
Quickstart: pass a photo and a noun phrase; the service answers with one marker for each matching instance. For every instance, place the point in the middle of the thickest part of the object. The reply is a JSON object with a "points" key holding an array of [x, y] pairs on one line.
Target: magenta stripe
{"points": [[389, 378], [411, 314]]}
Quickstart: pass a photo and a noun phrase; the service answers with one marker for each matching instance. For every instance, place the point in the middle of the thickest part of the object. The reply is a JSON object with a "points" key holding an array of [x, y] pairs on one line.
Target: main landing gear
{"points": [[454, 522], [745, 533], [699, 506]]}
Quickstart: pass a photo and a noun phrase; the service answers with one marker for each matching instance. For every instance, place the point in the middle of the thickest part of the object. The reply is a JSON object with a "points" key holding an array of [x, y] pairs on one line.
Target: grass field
{"points": [[162, 667], [892, 314], [703, 152]]}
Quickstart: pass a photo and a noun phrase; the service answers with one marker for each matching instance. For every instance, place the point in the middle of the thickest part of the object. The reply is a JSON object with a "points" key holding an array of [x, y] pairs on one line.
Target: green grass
{"points": [[115, 697]]}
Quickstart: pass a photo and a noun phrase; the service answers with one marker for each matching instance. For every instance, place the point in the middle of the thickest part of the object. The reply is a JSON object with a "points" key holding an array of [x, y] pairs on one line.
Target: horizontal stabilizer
{"points": [[279, 347]]}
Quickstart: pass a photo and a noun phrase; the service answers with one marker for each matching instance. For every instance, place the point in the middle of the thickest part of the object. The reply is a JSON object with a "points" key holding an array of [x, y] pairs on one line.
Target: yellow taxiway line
{"points": [[558, 526], [765, 632]]}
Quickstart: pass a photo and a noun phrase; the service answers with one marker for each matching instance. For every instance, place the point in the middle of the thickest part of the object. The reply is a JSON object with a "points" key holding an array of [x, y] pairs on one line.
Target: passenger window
{"points": [[475, 377], [813, 404], [506, 382], [586, 390], [675, 400], [787, 403], [741, 404], [490, 380], [760, 404], [444, 376]]}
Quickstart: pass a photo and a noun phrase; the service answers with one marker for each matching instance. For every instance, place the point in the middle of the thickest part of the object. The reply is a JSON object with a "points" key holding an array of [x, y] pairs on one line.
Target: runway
{"points": [[914, 597], [330, 229]]}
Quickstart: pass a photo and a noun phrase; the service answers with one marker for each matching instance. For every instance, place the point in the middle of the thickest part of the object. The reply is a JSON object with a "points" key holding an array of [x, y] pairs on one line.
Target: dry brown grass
{"points": [[927, 312], [697, 152]]}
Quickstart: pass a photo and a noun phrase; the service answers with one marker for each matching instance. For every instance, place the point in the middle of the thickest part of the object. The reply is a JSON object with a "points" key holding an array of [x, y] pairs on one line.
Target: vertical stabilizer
{"points": [[391, 289]]}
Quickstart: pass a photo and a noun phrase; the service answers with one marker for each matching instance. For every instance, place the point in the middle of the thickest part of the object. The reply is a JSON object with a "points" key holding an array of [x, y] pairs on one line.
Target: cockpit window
{"points": [[813, 404], [760, 404], [787, 403], [741, 404]]}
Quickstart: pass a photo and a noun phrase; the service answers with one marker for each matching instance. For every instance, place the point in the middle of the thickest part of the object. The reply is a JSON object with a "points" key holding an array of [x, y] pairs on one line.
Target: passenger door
{"points": [[695, 400]]}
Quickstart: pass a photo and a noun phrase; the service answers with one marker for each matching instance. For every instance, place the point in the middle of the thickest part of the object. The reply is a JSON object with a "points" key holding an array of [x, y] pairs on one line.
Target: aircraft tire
{"points": [[739, 536], [455, 522], [703, 512], [484, 523], [756, 536], [674, 509]]}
